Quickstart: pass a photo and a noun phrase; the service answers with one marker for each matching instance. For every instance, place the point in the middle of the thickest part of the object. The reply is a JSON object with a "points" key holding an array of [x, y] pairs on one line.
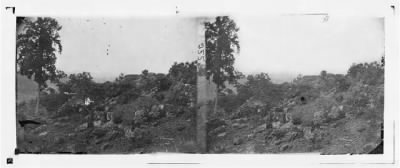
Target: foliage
{"points": [[367, 73], [81, 83], [261, 87], [124, 114], [128, 96], [184, 72], [243, 92], [181, 94], [221, 44], [149, 82], [165, 82], [342, 83], [36, 47]]}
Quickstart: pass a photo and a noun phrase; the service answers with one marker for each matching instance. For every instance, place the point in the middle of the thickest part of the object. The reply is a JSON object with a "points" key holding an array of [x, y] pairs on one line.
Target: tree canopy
{"points": [[184, 72], [37, 45], [221, 44]]}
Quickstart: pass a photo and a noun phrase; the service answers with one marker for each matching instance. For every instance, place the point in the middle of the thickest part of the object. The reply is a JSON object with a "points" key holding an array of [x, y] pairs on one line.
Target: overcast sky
{"points": [[308, 44], [106, 47], [277, 45]]}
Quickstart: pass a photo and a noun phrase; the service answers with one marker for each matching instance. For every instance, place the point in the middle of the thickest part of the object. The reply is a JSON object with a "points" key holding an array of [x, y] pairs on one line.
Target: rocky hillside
{"points": [[151, 113], [326, 113], [329, 114]]}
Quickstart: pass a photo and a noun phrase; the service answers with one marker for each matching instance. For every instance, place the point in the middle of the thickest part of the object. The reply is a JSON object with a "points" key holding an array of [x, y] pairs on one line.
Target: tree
{"points": [[37, 45], [81, 84], [221, 44], [262, 88]]}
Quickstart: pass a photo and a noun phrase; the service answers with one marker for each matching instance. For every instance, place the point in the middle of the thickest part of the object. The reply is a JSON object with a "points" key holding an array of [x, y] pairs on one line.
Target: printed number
{"points": [[201, 45], [200, 58], [201, 51]]}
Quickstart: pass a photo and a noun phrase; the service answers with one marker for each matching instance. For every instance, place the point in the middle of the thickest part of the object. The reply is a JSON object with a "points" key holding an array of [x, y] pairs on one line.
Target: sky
{"points": [[106, 47], [298, 44], [282, 46]]}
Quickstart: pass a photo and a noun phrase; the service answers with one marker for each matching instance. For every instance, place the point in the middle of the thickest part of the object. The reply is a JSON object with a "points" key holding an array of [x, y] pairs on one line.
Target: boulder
{"points": [[41, 128], [279, 133], [155, 111], [285, 110], [284, 147], [240, 120], [59, 124], [99, 132], [287, 125], [181, 127], [97, 123], [218, 130], [215, 123], [81, 127], [106, 146], [250, 136], [367, 148], [238, 125], [319, 117], [341, 108], [334, 113], [278, 109], [113, 134], [59, 140], [237, 141], [129, 133], [290, 136], [260, 128], [221, 134], [276, 124], [308, 134], [139, 116], [43, 133]]}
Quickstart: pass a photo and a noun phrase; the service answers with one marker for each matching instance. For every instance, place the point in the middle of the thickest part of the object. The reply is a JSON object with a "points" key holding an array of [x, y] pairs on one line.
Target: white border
{"points": [[119, 8]]}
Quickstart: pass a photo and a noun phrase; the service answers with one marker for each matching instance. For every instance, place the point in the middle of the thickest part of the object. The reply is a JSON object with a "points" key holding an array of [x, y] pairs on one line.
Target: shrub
{"points": [[128, 96]]}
